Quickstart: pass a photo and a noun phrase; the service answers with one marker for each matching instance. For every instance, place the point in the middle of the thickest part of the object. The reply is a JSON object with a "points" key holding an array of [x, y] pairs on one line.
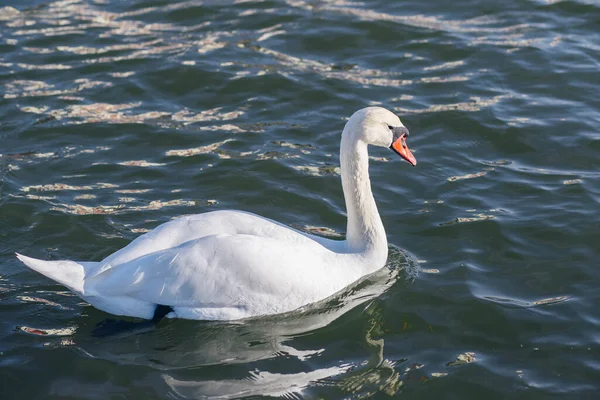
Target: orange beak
{"points": [[400, 147]]}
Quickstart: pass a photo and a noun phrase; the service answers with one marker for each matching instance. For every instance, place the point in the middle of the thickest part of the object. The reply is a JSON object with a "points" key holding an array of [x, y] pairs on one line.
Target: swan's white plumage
{"points": [[227, 265]]}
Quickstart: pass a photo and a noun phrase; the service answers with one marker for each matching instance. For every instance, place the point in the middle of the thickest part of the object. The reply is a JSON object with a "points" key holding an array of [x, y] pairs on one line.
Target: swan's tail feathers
{"points": [[65, 272]]}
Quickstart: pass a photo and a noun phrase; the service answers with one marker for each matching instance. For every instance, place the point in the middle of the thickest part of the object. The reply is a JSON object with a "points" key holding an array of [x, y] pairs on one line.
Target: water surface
{"points": [[118, 116]]}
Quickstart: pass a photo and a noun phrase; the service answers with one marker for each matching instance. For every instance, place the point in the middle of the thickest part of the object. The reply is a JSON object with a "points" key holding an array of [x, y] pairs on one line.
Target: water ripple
{"points": [[118, 116]]}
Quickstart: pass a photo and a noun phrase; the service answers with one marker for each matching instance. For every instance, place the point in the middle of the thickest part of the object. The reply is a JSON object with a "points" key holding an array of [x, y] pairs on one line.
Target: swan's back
{"points": [[192, 227]]}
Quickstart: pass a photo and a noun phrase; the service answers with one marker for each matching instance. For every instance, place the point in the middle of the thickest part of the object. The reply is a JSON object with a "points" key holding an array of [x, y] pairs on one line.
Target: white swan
{"points": [[228, 265]]}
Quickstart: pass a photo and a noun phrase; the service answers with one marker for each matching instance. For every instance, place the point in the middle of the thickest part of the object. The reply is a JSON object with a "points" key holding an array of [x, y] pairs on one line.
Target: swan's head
{"points": [[380, 127]]}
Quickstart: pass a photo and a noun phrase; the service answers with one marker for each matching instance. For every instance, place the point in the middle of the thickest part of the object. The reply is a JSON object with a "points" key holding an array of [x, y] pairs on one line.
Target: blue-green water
{"points": [[116, 116]]}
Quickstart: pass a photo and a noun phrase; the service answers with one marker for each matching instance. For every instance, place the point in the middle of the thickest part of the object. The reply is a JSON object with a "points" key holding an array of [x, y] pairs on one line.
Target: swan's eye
{"points": [[391, 128]]}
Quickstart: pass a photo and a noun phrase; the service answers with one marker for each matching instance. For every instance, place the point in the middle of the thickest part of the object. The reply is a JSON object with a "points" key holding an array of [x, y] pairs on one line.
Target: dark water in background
{"points": [[117, 116]]}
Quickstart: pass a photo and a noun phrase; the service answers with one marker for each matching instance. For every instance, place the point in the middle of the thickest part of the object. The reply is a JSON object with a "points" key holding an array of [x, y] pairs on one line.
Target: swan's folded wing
{"points": [[220, 271], [173, 276], [193, 227]]}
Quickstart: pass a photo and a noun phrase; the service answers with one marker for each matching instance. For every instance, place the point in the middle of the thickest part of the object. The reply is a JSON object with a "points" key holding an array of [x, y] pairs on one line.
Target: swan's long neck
{"points": [[365, 232]]}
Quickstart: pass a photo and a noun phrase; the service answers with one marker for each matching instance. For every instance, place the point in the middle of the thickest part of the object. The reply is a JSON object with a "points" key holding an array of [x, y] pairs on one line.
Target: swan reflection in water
{"points": [[251, 355]]}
